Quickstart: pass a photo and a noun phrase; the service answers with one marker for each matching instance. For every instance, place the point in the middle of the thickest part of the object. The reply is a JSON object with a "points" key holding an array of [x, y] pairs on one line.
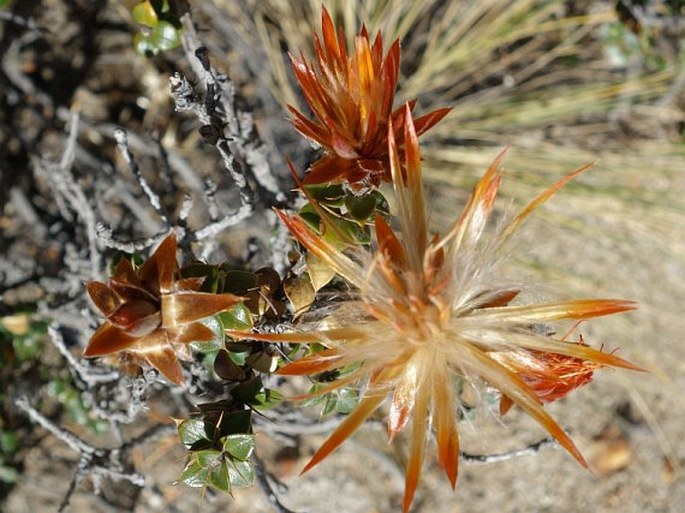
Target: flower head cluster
{"points": [[551, 376], [351, 98], [431, 313], [152, 313]]}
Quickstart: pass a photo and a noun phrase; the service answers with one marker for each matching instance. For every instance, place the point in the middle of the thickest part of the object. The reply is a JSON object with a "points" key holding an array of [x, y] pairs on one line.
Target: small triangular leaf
{"points": [[193, 432], [240, 474], [239, 447], [237, 318], [219, 477]]}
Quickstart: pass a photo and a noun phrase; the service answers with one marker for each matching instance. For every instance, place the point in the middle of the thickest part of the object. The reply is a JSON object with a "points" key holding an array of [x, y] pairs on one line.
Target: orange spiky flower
{"points": [[431, 312], [152, 313], [551, 376], [351, 98]]}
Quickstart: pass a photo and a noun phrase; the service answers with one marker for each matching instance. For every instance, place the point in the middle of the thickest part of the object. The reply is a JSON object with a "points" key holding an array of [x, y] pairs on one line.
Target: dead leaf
{"points": [[300, 293]]}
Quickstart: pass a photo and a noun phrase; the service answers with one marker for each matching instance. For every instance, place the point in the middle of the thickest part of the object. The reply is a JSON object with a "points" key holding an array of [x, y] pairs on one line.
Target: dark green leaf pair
{"points": [[351, 214], [223, 469]]}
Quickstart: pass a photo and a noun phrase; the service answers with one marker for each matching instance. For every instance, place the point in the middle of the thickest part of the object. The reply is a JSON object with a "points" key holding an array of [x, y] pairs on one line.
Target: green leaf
{"points": [[218, 476], [165, 36], [329, 405], [161, 6], [360, 208], [143, 46], [239, 447], [267, 399], [207, 468], [193, 432], [263, 361], [217, 342], [27, 347], [202, 270], [310, 216], [381, 203], [351, 229], [343, 400], [347, 400], [316, 400], [208, 458], [325, 193], [9, 442], [300, 292], [211, 283], [320, 273], [194, 474], [241, 474], [238, 318]]}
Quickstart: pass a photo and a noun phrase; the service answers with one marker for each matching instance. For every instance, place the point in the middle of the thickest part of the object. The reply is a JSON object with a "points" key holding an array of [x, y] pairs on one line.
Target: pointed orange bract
{"points": [[351, 98], [446, 434], [151, 309], [363, 411], [417, 447]]}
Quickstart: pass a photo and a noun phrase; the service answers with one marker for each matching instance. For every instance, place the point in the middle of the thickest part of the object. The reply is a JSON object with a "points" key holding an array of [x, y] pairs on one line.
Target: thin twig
{"points": [[106, 235], [486, 459], [97, 463], [68, 438], [263, 478], [122, 143]]}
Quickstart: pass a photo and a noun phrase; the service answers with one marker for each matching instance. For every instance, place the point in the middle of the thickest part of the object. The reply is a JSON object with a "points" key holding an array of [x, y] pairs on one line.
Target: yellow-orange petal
{"points": [[417, 446], [551, 345], [330, 38], [314, 364], [547, 194], [403, 400], [471, 223], [137, 318], [388, 242], [363, 411], [547, 312], [309, 337], [444, 419], [496, 299], [427, 121], [408, 188]]}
